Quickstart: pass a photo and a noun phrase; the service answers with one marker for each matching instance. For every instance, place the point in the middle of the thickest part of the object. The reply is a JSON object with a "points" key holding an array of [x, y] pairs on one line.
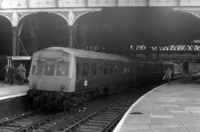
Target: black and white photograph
{"points": [[99, 65]]}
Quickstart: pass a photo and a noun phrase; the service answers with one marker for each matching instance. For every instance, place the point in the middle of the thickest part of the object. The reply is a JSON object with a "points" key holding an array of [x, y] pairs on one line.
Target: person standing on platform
{"points": [[6, 76], [21, 71], [168, 75], [24, 72], [11, 74]]}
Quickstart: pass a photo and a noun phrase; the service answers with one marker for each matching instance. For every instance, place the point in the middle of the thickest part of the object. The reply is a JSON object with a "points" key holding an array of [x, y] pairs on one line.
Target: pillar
{"points": [[71, 15], [15, 51], [71, 37]]}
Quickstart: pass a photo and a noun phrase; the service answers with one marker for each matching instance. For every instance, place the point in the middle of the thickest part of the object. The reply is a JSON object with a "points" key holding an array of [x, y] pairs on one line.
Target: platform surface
{"points": [[167, 108], [12, 91]]}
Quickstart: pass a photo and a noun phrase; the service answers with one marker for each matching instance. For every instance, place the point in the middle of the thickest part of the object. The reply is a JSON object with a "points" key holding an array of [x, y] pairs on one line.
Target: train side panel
{"points": [[95, 73]]}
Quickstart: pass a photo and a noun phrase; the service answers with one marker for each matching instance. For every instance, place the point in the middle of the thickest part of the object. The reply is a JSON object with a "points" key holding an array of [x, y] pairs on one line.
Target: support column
{"points": [[15, 51], [71, 37], [71, 15]]}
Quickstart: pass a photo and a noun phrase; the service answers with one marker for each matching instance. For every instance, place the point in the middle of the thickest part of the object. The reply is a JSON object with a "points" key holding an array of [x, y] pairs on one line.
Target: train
{"points": [[66, 77]]}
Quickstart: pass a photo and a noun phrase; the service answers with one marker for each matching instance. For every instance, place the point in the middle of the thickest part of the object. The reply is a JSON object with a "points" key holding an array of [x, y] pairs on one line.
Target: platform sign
{"points": [[19, 57]]}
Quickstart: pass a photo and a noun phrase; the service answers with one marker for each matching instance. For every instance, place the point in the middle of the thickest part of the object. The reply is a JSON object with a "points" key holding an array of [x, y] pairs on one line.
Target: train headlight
{"points": [[62, 88], [34, 86]]}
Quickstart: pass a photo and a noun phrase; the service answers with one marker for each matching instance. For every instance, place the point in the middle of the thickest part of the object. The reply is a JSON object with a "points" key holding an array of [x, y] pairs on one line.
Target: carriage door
{"points": [[49, 82], [62, 72]]}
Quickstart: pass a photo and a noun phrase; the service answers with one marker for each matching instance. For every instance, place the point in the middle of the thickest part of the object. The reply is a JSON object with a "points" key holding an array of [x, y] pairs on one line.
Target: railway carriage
{"points": [[73, 76], [148, 71]]}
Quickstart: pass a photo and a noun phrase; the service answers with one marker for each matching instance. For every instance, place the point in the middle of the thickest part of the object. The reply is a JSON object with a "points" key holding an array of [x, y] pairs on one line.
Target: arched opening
{"points": [[53, 31], [41, 30], [5, 36]]}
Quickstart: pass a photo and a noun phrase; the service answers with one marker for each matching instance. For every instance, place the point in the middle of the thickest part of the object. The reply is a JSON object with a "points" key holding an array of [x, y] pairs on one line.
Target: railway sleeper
{"points": [[103, 119], [87, 131], [111, 113], [86, 127], [94, 121], [14, 125], [110, 117], [7, 128], [115, 112], [22, 123], [94, 124]]}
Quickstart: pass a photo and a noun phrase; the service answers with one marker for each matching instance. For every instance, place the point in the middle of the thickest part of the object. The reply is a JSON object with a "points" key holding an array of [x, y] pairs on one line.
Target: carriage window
{"points": [[124, 69], [105, 68], [77, 68], [116, 68], [121, 68], [62, 69], [49, 68], [94, 69], [100, 68], [37, 67], [111, 68], [85, 68]]}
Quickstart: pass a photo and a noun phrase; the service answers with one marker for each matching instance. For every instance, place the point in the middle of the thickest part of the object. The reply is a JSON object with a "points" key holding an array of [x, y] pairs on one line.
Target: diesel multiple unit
{"points": [[67, 77]]}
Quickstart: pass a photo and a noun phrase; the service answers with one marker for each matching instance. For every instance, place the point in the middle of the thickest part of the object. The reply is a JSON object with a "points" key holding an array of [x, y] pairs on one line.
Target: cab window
{"points": [[38, 66], [62, 69], [49, 68]]}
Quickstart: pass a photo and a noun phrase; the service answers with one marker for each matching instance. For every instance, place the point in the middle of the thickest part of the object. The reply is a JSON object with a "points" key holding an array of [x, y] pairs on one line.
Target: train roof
{"points": [[90, 54]]}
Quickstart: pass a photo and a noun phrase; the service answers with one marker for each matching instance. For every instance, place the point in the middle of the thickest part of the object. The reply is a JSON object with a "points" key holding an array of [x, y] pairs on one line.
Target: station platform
{"points": [[12, 91], [167, 108]]}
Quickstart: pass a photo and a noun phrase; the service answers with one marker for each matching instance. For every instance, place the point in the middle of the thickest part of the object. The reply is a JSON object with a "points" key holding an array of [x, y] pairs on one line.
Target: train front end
{"points": [[51, 77]]}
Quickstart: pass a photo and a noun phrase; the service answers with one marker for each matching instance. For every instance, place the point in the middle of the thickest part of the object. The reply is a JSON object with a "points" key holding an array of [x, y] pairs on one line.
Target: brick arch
{"points": [[71, 16], [7, 16]]}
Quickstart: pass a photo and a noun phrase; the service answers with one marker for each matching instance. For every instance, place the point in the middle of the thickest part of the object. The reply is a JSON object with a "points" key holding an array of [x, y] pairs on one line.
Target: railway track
{"points": [[98, 116], [28, 122], [104, 119], [101, 114], [37, 121]]}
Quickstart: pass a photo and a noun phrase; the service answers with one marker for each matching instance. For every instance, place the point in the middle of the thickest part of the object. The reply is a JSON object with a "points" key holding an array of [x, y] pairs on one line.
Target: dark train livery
{"points": [[69, 76]]}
